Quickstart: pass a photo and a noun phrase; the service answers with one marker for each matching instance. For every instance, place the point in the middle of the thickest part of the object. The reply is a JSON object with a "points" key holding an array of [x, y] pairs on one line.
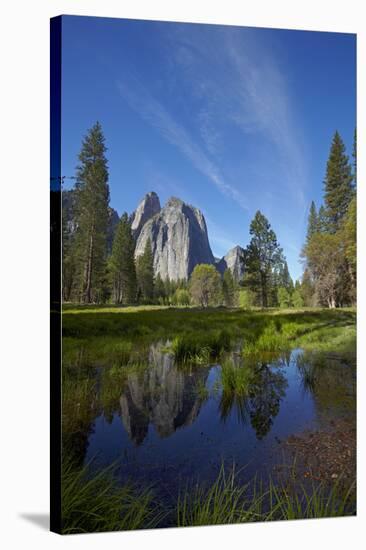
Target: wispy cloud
{"points": [[153, 112], [226, 105], [239, 82]]}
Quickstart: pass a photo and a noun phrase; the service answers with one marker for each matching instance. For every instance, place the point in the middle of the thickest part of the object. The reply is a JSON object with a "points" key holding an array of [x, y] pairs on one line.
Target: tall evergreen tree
{"points": [[313, 222], [322, 220], [159, 289], [307, 289], [122, 263], [263, 256], [338, 184], [354, 155], [228, 288], [350, 247], [68, 259], [285, 277], [145, 273], [91, 212]]}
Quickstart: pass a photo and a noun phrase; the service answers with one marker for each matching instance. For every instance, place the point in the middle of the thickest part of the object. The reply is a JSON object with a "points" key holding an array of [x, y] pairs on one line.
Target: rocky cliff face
{"points": [[179, 240], [233, 260], [178, 235], [148, 207]]}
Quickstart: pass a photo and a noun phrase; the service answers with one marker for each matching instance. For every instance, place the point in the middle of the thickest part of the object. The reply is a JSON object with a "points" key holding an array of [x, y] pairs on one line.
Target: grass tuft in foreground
{"points": [[96, 502], [227, 501]]}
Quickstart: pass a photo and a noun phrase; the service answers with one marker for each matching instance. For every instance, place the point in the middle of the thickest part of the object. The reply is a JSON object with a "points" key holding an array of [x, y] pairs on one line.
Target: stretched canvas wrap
{"points": [[203, 274]]}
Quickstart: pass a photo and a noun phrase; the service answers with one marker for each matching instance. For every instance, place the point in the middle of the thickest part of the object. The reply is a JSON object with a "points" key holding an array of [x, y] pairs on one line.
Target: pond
{"points": [[168, 426]]}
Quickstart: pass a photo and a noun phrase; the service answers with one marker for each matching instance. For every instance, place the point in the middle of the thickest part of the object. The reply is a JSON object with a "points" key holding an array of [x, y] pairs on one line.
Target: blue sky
{"points": [[229, 119]]}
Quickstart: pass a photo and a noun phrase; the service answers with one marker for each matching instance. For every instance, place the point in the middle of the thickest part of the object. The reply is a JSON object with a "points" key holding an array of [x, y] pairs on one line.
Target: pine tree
{"points": [[354, 155], [338, 184], [91, 213], [350, 247], [122, 263], [313, 222], [145, 273], [297, 299], [228, 288], [159, 289], [322, 220], [285, 277], [284, 298], [307, 289], [263, 257], [68, 258]]}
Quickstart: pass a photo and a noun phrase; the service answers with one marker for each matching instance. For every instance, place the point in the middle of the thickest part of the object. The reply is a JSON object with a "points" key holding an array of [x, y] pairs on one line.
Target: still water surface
{"points": [[172, 426]]}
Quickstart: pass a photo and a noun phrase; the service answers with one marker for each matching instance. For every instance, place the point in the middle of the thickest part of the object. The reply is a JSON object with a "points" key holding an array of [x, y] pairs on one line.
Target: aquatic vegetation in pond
{"points": [[200, 348], [236, 379]]}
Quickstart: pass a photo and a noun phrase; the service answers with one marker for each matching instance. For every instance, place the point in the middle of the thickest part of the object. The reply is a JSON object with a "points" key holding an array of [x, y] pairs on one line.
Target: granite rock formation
{"points": [[179, 239], [148, 207], [233, 260]]}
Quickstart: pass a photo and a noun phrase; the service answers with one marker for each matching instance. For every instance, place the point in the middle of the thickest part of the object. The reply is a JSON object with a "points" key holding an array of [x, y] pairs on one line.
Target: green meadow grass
{"points": [[92, 335]]}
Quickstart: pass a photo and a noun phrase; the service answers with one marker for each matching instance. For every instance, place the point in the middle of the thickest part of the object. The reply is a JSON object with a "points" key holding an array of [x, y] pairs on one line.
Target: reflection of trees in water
{"points": [[79, 409], [161, 395], [265, 398], [330, 378], [261, 404]]}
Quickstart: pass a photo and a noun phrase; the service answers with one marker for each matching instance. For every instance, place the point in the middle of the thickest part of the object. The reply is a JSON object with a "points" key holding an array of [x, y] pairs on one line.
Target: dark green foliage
{"points": [[145, 274], [330, 249], [180, 297], [91, 215], [228, 289], [354, 156], [313, 222], [159, 290], [322, 220], [205, 286], [264, 261], [297, 299], [122, 264], [284, 297], [338, 183], [349, 238], [68, 249]]}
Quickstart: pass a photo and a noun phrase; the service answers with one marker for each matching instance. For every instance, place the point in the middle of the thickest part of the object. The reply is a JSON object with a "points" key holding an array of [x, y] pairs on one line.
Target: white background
{"points": [[24, 271]]}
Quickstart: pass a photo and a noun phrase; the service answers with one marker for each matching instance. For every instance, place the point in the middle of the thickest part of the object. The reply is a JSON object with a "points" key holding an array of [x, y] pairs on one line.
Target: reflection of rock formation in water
{"points": [[162, 395]]}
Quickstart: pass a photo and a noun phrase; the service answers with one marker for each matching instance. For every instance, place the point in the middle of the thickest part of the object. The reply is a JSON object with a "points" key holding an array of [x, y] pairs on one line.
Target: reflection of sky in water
{"points": [[166, 432]]}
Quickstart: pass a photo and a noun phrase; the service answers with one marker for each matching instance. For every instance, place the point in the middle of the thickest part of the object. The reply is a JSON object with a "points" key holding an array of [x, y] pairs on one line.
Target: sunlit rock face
{"points": [[233, 260], [148, 207], [179, 240], [162, 396]]}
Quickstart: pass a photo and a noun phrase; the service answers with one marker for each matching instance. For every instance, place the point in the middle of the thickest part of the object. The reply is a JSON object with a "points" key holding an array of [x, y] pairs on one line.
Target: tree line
{"points": [[97, 272], [329, 253]]}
